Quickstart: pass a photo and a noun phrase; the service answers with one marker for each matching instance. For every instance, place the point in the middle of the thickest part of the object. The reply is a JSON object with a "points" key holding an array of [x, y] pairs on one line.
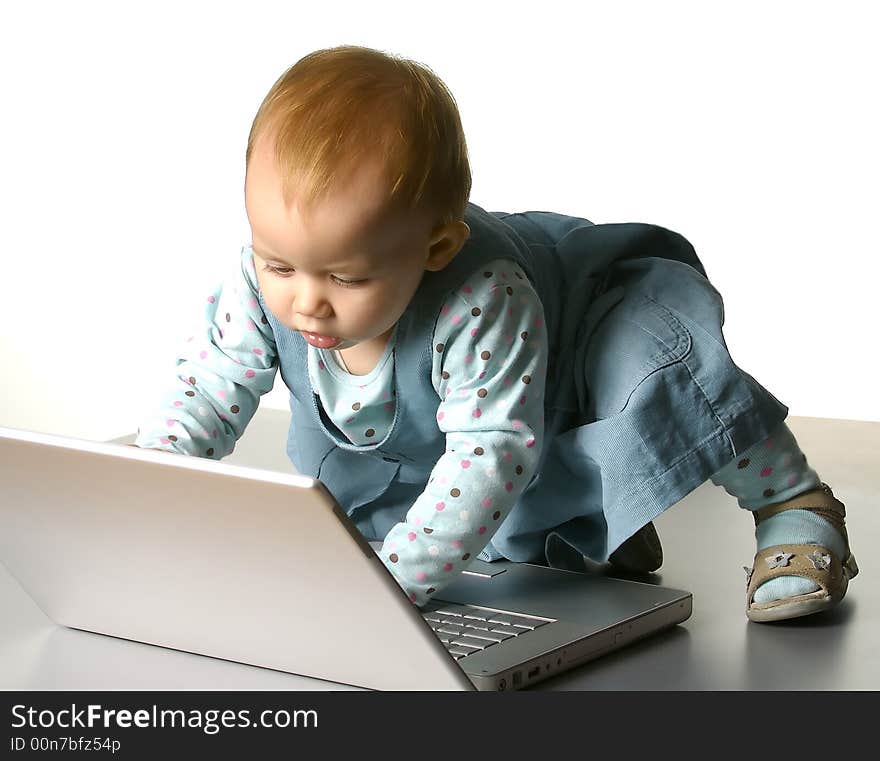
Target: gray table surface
{"points": [[706, 538]]}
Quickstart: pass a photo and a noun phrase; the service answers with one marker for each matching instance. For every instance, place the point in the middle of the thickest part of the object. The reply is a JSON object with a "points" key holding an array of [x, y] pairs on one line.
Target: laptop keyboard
{"points": [[467, 629]]}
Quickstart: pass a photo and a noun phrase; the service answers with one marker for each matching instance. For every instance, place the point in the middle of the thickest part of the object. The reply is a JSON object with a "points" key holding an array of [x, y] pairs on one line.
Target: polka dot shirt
{"points": [[488, 369]]}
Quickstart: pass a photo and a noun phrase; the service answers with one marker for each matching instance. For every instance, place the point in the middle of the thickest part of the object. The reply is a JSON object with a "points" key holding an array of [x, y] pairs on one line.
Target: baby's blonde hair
{"points": [[338, 106]]}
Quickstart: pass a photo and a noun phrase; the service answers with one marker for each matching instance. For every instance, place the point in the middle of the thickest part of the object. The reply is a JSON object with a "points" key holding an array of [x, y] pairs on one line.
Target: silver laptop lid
{"points": [[237, 563]]}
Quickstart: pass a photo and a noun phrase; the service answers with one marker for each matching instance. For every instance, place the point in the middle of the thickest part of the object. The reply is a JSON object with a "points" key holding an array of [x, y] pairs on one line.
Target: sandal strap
{"points": [[811, 561], [820, 501]]}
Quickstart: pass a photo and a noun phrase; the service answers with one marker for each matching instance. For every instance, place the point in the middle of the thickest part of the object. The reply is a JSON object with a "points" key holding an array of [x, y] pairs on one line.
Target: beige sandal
{"points": [[811, 561]]}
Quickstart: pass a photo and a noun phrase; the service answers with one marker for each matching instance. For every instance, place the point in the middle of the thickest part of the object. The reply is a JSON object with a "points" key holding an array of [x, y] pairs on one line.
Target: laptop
{"points": [[265, 568]]}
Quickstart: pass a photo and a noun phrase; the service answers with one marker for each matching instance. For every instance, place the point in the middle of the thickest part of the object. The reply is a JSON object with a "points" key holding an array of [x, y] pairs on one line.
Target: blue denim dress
{"points": [[642, 402]]}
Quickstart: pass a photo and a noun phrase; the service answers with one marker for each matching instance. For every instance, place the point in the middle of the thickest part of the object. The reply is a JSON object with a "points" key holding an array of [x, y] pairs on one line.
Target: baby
{"points": [[481, 385]]}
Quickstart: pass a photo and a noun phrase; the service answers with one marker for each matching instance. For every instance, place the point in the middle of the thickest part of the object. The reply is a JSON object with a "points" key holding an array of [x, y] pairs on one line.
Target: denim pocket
{"points": [[635, 339]]}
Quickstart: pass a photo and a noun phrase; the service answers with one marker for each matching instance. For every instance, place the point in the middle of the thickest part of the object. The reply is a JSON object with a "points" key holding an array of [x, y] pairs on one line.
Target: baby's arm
{"points": [[221, 373], [490, 379]]}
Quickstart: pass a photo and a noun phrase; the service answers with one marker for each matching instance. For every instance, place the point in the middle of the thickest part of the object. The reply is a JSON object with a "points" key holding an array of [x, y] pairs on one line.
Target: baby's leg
{"points": [[672, 409], [775, 472]]}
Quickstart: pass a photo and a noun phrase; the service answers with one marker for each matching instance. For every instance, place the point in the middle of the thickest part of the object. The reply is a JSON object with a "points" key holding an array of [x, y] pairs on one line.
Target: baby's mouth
{"points": [[321, 342]]}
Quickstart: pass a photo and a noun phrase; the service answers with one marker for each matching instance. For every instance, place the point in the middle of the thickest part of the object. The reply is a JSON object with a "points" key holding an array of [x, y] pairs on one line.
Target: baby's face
{"points": [[348, 274]]}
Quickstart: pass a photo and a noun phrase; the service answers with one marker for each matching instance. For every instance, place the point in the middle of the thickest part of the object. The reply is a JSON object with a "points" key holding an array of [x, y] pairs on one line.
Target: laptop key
{"points": [[476, 615], [450, 629], [464, 644], [459, 653], [508, 619], [484, 625], [511, 631], [493, 637], [465, 639], [448, 611], [452, 621], [526, 623]]}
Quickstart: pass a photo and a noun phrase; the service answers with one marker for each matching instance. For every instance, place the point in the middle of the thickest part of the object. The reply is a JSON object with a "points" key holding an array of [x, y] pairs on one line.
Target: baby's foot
{"points": [[803, 564], [795, 527], [799, 524]]}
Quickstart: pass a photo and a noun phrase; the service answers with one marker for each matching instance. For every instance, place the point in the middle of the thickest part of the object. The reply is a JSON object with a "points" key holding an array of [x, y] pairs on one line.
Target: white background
{"points": [[750, 128]]}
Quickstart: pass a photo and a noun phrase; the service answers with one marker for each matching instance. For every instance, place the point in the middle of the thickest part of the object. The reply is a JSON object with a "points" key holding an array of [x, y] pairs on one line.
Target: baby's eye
{"points": [[348, 283], [285, 271], [278, 270]]}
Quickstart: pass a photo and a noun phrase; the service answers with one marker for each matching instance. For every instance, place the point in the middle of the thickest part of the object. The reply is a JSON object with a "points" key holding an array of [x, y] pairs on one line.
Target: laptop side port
{"points": [[517, 678], [535, 671]]}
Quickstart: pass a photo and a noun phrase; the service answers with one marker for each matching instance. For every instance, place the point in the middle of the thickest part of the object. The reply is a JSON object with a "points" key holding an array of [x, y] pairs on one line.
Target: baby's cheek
{"points": [[275, 304]]}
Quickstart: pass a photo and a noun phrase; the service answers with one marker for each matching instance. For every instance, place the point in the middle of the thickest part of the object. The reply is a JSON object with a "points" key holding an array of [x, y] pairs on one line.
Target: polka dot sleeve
{"points": [[221, 373], [489, 368]]}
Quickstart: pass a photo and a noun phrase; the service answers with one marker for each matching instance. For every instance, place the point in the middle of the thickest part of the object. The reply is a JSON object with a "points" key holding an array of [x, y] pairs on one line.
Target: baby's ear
{"points": [[446, 242]]}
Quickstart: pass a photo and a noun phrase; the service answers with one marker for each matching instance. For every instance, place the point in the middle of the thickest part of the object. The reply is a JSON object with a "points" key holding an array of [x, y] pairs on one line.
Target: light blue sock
{"points": [[772, 471]]}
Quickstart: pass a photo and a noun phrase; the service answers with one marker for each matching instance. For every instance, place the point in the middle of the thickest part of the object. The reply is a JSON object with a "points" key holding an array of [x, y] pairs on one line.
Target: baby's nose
{"points": [[311, 300]]}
